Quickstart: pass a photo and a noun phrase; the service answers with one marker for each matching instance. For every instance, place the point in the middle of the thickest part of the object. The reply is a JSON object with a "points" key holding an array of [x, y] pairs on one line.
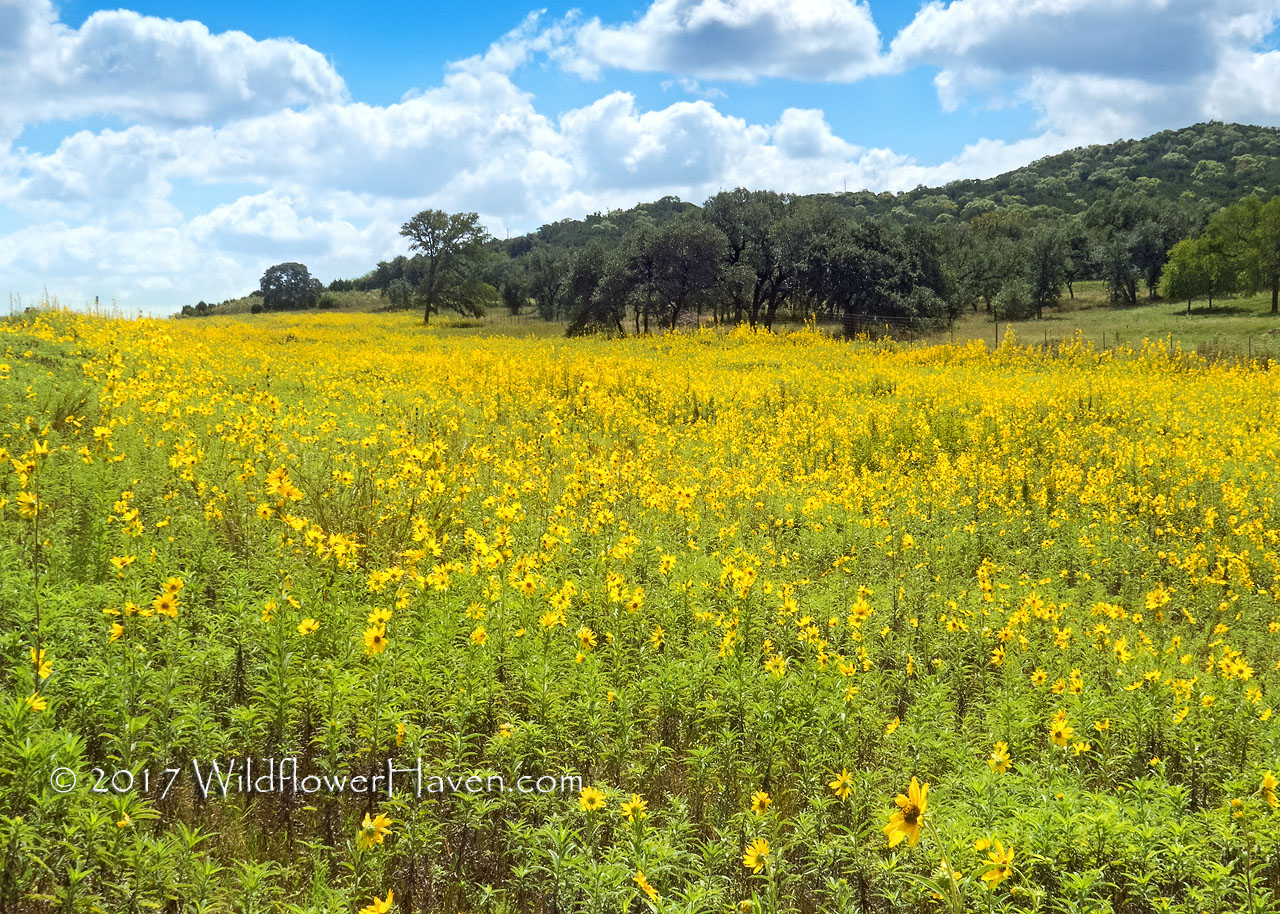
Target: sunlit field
{"points": [[791, 624]]}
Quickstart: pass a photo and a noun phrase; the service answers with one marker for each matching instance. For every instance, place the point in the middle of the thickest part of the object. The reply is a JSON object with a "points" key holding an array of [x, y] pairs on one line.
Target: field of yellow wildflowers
{"points": [[817, 626]]}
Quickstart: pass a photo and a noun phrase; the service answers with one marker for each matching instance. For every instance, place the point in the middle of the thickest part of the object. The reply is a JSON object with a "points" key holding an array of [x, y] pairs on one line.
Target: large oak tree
{"points": [[451, 246]]}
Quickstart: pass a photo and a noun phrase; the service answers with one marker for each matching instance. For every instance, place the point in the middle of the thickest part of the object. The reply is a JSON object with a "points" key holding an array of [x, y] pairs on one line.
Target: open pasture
{"points": [[745, 587]]}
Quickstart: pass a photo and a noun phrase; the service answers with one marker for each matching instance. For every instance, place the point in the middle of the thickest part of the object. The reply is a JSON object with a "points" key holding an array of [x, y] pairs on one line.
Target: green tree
{"points": [[1114, 260], [980, 259], [592, 304], [514, 296], [1133, 233], [1185, 273], [630, 275], [1266, 248], [1075, 264], [686, 257], [1251, 230], [863, 271], [759, 232], [399, 292], [288, 287], [1045, 269], [545, 272], [451, 247]]}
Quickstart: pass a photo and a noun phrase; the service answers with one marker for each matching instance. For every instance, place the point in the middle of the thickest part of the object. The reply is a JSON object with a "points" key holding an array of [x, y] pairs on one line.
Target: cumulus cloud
{"points": [[287, 167], [1096, 69], [1246, 86], [743, 40], [335, 181], [141, 68], [1151, 38]]}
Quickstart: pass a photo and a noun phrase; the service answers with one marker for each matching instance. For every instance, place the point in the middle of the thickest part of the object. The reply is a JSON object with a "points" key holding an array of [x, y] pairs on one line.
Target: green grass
{"points": [[497, 323], [1235, 326], [343, 301]]}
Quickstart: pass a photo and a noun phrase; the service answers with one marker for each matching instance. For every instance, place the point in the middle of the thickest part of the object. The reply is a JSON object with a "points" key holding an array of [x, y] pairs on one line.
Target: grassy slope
{"points": [[346, 301], [1235, 326]]}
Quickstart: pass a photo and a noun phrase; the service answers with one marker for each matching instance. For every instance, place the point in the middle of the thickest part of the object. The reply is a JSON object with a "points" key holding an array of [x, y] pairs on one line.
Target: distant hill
{"points": [[573, 233], [1107, 212], [1214, 163]]}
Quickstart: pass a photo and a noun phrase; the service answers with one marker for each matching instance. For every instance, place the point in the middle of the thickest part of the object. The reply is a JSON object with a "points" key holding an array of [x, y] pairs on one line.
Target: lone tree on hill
{"points": [[451, 246], [289, 287]]}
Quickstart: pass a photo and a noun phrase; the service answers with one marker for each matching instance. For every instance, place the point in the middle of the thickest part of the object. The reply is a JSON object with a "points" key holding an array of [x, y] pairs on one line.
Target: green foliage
{"points": [[399, 293], [912, 512], [289, 287], [1046, 269], [1109, 212], [1238, 250], [1015, 301], [452, 249]]}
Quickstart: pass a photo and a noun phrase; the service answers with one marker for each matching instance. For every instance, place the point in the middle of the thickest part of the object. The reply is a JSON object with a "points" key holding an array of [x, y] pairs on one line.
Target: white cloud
{"points": [[1245, 87], [1095, 69], [694, 88], [141, 68], [742, 40], [1102, 37], [287, 168], [336, 181]]}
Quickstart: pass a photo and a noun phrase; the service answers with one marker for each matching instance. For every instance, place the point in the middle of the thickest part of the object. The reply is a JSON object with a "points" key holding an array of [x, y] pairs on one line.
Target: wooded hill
{"points": [[1013, 245], [1215, 163]]}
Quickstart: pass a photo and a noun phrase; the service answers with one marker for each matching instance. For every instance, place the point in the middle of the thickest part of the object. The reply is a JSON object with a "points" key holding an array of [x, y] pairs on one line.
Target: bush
{"points": [[256, 309], [1013, 302]]}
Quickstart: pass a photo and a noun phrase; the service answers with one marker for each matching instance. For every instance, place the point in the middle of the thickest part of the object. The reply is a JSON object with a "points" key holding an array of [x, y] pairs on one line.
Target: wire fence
{"points": [[1261, 349]]}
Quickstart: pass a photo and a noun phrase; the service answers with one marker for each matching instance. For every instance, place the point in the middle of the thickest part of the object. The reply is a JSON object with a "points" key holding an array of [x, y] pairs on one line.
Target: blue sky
{"points": [[168, 152]]}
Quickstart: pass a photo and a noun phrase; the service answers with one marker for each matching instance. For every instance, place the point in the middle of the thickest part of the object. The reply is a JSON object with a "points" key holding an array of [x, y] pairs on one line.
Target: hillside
{"points": [[1013, 245], [1215, 163]]}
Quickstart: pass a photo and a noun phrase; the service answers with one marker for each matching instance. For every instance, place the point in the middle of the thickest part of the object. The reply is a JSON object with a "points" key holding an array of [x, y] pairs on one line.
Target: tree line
{"points": [[1180, 214], [750, 257], [1238, 251]]}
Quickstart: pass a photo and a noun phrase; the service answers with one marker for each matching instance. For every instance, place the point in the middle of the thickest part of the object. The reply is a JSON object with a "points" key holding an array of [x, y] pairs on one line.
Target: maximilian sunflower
{"points": [[906, 822], [375, 639], [999, 865], [591, 799], [374, 830], [756, 856], [379, 905]]}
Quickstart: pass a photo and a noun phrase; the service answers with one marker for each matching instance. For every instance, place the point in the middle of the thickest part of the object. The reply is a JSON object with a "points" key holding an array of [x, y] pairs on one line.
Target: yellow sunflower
{"points": [[375, 639], [906, 821], [843, 784], [999, 865], [756, 856], [591, 799], [635, 808], [373, 830], [379, 906]]}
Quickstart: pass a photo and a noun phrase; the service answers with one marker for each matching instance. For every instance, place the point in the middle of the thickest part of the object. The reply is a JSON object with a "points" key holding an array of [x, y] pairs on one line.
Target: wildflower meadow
{"points": [[782, 623]]}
